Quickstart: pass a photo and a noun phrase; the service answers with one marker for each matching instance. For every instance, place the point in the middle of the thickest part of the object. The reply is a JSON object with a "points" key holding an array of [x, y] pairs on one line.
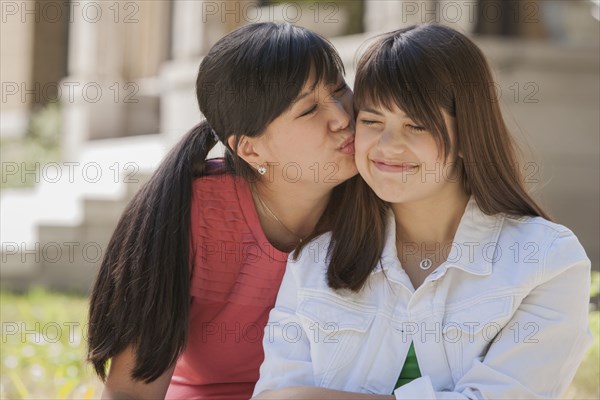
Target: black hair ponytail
{"points": [[141, 296]]}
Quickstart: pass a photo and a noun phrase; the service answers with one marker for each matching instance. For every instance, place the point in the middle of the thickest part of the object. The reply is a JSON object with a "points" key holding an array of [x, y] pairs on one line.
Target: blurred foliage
{"points": [[586, 385], [43, 347], [41, 145], [38, 363], [595, 288]]}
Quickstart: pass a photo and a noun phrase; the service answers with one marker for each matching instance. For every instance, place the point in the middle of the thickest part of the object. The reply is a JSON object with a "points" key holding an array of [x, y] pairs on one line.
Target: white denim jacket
{"points": [[505, 317]]}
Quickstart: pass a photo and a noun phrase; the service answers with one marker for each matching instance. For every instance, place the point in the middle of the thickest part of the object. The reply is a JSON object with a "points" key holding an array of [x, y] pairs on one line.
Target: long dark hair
{"points": [[141, 295], [423, 69]]}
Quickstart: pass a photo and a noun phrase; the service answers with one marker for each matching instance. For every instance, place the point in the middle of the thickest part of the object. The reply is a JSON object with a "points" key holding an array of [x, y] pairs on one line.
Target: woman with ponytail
{"points": [[195, 262]]}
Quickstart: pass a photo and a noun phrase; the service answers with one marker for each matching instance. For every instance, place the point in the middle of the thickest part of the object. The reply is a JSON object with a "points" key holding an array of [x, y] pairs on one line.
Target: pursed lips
{"points": [[346, 142], [348, 146]]}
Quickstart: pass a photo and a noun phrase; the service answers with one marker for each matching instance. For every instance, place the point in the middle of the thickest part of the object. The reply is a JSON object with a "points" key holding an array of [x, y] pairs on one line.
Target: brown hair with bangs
{"points": [[424, 69]]}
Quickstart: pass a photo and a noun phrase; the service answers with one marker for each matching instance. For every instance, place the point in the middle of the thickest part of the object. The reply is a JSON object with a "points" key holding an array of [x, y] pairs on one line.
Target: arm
{"points": [[287, 371], [317, 393], [119, 384], [286, 364]]}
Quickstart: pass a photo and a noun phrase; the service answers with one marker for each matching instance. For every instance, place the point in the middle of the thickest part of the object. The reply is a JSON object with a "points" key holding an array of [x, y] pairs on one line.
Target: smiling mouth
{"points": [[388, 166]]}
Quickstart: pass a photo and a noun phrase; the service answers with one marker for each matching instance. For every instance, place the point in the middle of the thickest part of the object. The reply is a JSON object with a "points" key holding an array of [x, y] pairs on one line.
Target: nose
{"points": [[393, 141], [342, 114]]}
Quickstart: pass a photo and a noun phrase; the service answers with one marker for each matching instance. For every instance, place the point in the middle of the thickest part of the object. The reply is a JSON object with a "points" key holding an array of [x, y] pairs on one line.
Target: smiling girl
{"points": [[443, 278]]}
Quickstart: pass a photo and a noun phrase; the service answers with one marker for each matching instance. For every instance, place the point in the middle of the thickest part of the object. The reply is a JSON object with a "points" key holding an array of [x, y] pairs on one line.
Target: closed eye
{"points": [[310, 111], [417, 128], [368, 122]]}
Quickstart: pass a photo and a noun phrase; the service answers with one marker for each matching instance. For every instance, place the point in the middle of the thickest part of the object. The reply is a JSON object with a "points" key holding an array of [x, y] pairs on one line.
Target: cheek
{"points": [[362, 145], [363, 141], [428, 151], [360, 150]]}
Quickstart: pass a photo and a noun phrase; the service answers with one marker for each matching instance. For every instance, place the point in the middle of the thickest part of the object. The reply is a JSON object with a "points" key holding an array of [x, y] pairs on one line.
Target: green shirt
{"points": [[410, 370]]}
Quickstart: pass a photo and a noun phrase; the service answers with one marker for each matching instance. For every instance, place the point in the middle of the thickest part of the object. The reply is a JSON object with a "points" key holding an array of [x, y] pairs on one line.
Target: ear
{"points": [[246, 149]]}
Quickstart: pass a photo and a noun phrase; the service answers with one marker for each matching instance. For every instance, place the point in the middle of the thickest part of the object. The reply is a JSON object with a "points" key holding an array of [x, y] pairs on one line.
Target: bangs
{"points": [[291, 54], [276, 69], [394, 72], [321, 56]]}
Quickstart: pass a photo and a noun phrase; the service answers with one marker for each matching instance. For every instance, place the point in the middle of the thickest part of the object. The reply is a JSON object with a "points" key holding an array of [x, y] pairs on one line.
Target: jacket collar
{"points": [[474, 248]]}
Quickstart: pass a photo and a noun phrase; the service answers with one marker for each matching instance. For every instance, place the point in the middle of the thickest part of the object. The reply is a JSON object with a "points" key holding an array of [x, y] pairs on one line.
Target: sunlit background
{"points": [[95, 92]]}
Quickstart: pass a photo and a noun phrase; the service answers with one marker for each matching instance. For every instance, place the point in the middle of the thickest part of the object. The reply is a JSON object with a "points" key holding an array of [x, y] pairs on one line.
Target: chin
{"points": [[386, 195], [392, 199], [392, 196]]}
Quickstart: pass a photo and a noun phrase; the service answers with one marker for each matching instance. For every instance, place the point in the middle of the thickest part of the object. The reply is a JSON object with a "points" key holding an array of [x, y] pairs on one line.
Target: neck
{"points": [[297, 207], [433, 220]]}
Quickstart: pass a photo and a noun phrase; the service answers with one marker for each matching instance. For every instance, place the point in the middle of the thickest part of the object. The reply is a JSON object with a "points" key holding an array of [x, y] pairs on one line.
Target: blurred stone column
{"points": [[146, 47], [196, 26], [178, 106], [16, 66], [521, 18], [384, 15], [95, 65], [115, 53]]}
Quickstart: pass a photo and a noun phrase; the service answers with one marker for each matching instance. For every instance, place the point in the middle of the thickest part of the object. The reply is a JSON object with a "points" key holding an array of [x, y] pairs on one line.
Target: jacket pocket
{"points": [[336, 331], [468, 330]]}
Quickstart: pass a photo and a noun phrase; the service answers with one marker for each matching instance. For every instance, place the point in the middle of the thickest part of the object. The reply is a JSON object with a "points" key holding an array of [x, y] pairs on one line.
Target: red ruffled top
{"points": [[235, 278]]}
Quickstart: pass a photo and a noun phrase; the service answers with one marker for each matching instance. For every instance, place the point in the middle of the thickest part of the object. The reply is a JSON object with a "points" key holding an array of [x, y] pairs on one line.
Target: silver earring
{"points": [[262, 170]]}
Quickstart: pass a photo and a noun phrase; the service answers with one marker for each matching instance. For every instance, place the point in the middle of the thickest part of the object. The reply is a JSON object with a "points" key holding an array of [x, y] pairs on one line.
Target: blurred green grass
{"points": [[25, 158], [43, 349]]}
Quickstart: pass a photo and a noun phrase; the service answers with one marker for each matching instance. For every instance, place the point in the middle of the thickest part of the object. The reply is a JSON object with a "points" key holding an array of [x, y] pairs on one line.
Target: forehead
{"points": [[381, 109], [379, 98], [313, 90], [396, 111]]}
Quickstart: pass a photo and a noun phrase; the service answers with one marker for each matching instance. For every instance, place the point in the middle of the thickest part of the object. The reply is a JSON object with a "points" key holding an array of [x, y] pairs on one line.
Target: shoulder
{"points": [[310, 268], [542, 231], [557, 245], [217, 180], [218, 203], [223, 191], [217, 185], [535, 224]]}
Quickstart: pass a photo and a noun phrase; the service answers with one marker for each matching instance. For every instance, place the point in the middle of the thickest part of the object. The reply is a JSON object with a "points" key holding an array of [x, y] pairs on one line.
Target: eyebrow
{"points": [[303, 95], [313, 87], [372, 111]]}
